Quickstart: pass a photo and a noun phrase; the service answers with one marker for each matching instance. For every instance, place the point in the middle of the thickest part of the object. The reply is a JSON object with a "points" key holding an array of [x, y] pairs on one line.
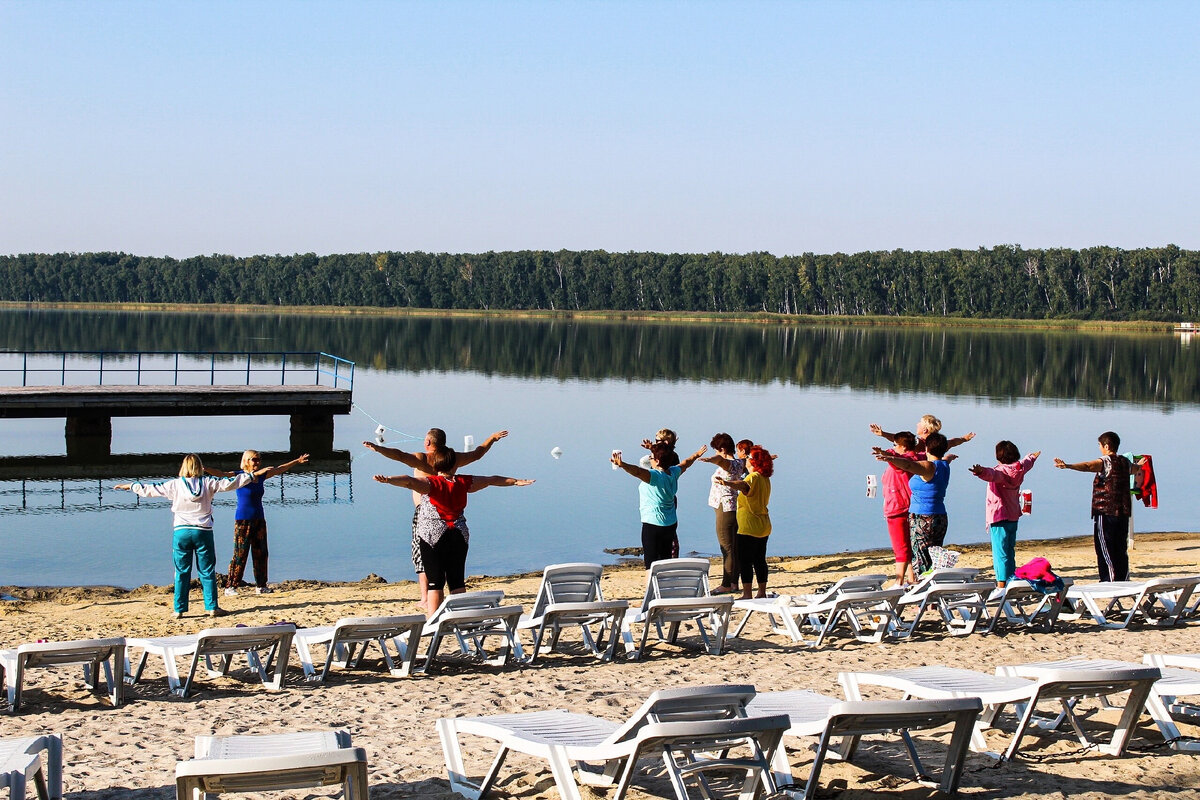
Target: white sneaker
{"points": [[263, 590], [231, 592]]}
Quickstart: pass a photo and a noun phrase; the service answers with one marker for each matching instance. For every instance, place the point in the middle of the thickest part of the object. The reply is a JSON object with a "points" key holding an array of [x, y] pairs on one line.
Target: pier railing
{"points": [[174, 368]]}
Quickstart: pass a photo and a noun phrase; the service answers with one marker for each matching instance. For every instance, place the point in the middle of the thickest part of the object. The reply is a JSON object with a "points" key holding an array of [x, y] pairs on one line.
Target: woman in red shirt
{"points": [[444, 540]]}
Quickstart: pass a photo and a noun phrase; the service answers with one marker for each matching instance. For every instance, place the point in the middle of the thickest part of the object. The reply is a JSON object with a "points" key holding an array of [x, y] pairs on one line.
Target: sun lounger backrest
{"points": [[568, 583], [48, 654], [858, 718], [374, 627], [1186, 586], [676, 577], [1091, 683], [852, 583], [223, 641], [467, 601], [688, 704]]}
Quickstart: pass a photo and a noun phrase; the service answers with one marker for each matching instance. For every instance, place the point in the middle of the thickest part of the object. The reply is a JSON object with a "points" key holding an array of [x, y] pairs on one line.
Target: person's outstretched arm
{"points": [[718, 459], [923, 468], [483, 481], [420, 485], [271, 472], [878, 431], [957, 440], [410, 460], [218, 473], [462, 459], [740, 486], [687, 462], [1082, 466], [983, 473], [640, 473]]}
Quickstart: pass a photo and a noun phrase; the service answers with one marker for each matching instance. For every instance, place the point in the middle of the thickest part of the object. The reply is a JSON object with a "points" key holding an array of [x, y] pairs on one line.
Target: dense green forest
{"points": [[1005, 281]]}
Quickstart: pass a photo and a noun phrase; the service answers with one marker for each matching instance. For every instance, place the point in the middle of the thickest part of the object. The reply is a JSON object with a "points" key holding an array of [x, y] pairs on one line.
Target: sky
{"points": [[189, 128]]}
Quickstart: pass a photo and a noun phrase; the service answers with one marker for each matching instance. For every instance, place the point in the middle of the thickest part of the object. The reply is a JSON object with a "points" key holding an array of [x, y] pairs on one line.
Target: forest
{"points": [[1007, 281]]}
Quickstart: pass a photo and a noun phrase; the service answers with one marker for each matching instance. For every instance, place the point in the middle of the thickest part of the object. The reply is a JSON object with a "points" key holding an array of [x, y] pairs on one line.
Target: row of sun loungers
{"points": [[677, 594], [694, 731]]}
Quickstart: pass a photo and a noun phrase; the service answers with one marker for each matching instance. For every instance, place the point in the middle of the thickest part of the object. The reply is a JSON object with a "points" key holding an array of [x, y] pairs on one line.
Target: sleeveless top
{"points": [[249, 500], [930, 497], [1110, 488]]}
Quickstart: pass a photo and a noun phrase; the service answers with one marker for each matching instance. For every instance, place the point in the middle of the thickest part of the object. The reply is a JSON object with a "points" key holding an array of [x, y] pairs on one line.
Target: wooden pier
{"points": [[89, 408]]}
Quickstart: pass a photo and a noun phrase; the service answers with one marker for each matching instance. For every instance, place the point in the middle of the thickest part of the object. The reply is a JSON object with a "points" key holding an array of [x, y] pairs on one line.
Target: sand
{"points": [[131, 751]]}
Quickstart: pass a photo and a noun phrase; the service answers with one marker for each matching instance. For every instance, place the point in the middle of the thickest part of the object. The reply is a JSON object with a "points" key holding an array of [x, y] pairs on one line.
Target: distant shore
{"points": [[758, 318]]}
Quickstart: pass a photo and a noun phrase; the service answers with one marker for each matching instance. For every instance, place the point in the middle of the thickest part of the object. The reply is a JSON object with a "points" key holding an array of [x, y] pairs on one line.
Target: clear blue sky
{"points": [[177, 128]]}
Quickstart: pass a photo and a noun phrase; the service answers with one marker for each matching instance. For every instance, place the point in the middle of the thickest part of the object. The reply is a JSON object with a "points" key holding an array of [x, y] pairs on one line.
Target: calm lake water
{"points": [[807, 393]]}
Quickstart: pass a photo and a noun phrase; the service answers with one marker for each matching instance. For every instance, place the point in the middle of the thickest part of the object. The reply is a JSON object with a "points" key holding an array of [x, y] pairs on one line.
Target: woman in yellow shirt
{"points": [[753, 518]]}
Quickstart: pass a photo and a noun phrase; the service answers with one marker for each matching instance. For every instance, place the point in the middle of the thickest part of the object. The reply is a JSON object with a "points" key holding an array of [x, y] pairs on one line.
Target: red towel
{"points": [[1144, 486]]}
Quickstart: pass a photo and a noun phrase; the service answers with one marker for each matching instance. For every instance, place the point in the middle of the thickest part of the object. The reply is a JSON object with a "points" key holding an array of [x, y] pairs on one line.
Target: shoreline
{"points": [[616, 315], [979, 551]]}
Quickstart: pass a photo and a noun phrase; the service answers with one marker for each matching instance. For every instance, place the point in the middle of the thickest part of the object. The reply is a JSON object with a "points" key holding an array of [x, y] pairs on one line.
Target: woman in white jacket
{"points": [[191, 499]]}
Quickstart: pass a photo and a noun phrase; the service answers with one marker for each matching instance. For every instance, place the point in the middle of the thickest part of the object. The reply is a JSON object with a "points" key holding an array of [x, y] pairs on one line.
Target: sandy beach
{"points": [[130, 752]]}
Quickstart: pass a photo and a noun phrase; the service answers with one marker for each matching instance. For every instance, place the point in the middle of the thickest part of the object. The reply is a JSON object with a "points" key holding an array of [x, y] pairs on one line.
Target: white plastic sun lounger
{"points": [[816, 715], [677, 592], [867, 610], [348, 640], [472, 617], [21, 761], [272, 762], [959, 599], [92, 654], [223, 644], [570, 595], [1159, 601], [1024, 686], [693, 730], [1180, 678], [1020, 605]]}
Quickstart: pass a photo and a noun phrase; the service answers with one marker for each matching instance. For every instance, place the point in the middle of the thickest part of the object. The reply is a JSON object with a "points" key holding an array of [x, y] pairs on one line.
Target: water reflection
{"points": [[70, 484], [1096, 368]]}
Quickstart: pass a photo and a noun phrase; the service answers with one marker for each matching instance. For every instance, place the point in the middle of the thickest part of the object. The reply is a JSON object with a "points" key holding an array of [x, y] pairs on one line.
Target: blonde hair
{"points": [[667, 435], [247, 455], [932, 424], [192, 466]]}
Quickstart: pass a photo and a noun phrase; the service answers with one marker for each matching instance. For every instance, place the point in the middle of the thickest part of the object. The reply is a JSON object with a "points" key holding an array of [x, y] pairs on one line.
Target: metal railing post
{"points": [[139, 370], [212, 369], [63, 380], [24, 368], [175, 379], [101, 368], [247, 369]]}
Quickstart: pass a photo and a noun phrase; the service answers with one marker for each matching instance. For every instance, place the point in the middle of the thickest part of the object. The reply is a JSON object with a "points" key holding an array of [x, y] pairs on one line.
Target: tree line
{"points": [[1002, 282]]}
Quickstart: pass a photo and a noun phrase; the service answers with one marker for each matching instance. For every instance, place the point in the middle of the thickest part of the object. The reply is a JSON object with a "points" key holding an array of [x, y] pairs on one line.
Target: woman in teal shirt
{"points": [[656, 494]]}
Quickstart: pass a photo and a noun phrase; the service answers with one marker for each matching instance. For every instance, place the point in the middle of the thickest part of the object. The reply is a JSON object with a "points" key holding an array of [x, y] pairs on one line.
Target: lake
{"points": [[807, 393]]}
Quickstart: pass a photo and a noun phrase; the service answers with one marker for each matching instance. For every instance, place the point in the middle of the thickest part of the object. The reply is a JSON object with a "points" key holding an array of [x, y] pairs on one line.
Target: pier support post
{"points": [[89, 436], [312, 433]]}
